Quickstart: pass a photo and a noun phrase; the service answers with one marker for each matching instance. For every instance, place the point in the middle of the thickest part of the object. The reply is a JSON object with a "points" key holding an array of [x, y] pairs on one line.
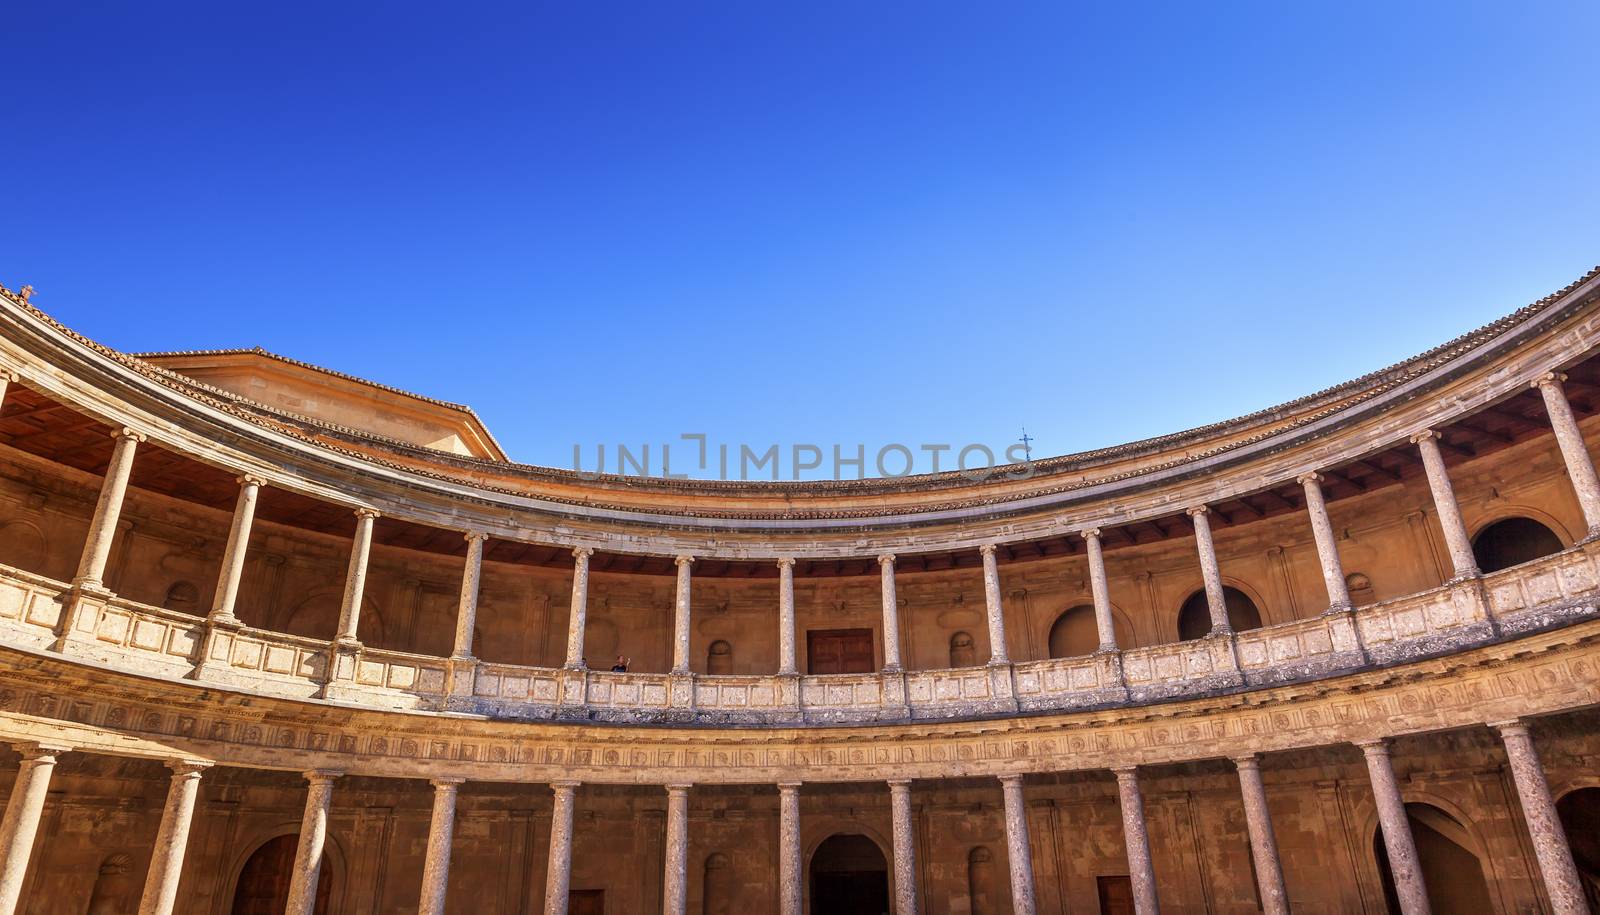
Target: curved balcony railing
{"points": [[137, 638]]}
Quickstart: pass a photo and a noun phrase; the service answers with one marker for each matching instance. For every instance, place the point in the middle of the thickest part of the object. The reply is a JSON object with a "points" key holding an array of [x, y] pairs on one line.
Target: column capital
{"points": [[582, 552], [682, 560], [886, 559], [785, 562], [678, 788], [1011, 778], [1378, 746], [366, 513], [1195, 511], [1424, 435], [1548, 379], [1090, 533], [988, 549], [1124, 772], [186, 767], [447, 781], [31, 750], [789, 787], [1511, 727], [566, 785], [127, 433], [322, 776], [250, 479], [470, 536], [899, 784], [10, 376], [1247, 761], [1310, 476]]}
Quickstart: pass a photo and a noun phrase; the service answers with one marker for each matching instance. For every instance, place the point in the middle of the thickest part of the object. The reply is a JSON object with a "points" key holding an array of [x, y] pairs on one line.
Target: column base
{"points": [[80, 613], [680, 692], [215, 645], [461, 681]]}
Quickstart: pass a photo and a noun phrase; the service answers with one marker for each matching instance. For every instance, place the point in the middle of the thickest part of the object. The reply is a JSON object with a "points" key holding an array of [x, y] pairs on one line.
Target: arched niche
{"points": [[1450, 857], [1194, 617], [717, 888], [849, 875], [963, 650], [1075, 633], [983, 883], [22, 544], [719, 657], [1512, 541], [317, 617], [116, 887], [183, 597]]}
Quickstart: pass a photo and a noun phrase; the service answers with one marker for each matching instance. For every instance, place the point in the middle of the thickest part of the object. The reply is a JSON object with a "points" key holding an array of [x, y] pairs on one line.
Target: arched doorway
{"points": [[1194, 620], [263, 887], [1075, 633], [1580, 819], [849, 876], [1450, 868], [1513, 541]]}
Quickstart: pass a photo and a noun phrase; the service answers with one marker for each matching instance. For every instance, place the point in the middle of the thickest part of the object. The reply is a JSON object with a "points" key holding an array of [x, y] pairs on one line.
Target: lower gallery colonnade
{"points": [[1336, 656]]}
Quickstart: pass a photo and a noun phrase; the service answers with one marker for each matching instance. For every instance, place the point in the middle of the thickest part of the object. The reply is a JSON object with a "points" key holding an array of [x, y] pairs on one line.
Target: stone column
{"points": [[891, 615], [1103, 621], [680, 617], [992, 603], [1561, 882], [558, 873], [1397, 841], [172, 838], [103, 527], [1141, 872], [436, 864], [355, 580], [21, 822], [1216, 602], [1018, 849], [905, 847], [1444, 502], [313, 836], [1580, 466], [789, 862], [467, 607], [1263, 843], [675, 895], [787, 666], [244, 515], [580, 607], [1327, 545]]}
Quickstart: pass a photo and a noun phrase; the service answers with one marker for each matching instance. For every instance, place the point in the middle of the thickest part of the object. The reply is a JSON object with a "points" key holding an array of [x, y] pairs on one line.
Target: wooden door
{"points": [[1116, 895], [263, 887], [586, 902], [839, 651]]}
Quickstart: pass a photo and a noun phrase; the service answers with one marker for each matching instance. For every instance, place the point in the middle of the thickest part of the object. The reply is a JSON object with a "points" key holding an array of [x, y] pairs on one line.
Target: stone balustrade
{"points": [[129, 636]]}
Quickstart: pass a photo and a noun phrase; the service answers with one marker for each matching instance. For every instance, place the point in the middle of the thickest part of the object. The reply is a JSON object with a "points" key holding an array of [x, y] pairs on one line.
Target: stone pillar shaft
{"points": [[467, 607], [1561, 881], [1216, 601], [172, 838], [787, 665], [1141, 872], [7, 379], [905, 848], [1018, 849], [558, 873], [1444, 503], [1580, 466], [355, 579], [578, 618], [244, 514], [680, 617], [313, 836], [675, 895], [103, 526], [994, 607], [1397, 840], [789, 858], [1263, 842], [21, 822], [891, 614], [1103, 622], [1327, 545], [436, 862]]}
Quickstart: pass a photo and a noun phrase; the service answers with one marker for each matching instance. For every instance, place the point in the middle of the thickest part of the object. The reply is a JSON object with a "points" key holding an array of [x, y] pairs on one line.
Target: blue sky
{"points": [[804, 223]]}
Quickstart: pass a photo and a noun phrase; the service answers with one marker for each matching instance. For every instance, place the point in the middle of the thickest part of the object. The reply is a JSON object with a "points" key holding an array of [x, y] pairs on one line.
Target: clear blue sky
{"points": [[908, 222]]}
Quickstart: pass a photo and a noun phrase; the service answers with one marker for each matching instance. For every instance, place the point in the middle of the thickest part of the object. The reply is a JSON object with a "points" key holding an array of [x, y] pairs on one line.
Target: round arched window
{"points": [[1511, 542], [1194, 620]]}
